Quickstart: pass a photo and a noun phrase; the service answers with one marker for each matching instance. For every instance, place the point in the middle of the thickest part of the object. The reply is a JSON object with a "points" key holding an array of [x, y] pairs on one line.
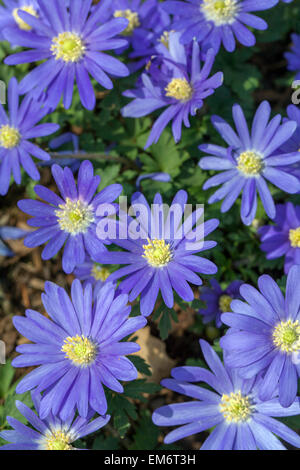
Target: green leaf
{"points": [[7, 373], [146, 433], [136, 389], [106, 443], [141, 365]]}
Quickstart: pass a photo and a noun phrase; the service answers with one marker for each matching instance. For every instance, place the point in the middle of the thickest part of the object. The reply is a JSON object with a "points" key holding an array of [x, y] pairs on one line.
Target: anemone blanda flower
{"points": [[218, 300], [16, 129], [50, 433], [250, 160], [293, 57], [265, 335], [71, 41], [215, 22], [176, 83], [240, 419], [283, 238], [70, 219], [161, 251], [78, 350]]}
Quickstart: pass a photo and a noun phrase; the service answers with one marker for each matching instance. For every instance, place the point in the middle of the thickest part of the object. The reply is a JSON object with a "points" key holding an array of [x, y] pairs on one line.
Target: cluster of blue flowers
{"points": [[79, 346]]}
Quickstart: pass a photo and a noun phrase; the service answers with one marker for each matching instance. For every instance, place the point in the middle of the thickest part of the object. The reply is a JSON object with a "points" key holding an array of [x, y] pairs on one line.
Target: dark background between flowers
{"points": [[171, 339]]}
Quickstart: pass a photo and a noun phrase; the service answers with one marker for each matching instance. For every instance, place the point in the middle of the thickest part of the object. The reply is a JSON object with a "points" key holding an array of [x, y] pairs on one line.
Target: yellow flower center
{"points": [[58, 440], [220, 11], [80, 350], [9, 137], [294, 236], [165, 38], [286, 336], [235, 407], [224, 303], [158, 253], [74, 216], [68, 46], [99, 273], [132, 17], [21, 23], [180, 89], [250, 163]]}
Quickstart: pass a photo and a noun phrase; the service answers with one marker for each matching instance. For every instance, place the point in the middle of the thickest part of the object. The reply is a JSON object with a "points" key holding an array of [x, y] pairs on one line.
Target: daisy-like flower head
{"points": [[78, 350], [71, 42], [265, 336], [250, 160], [161, 258], [218, 300], [293, 57], [71, 218], [283, 238], [176, 83], [50, 433], [216, 22], [241, 420], [17, 127]]}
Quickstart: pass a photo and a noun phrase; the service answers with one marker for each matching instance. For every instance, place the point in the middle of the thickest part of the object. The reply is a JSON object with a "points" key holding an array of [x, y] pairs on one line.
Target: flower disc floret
{"points": [[235, 407], [180, 89], [21, 23], [80, 350], [286, 336], [133, 20], [68, 46], [58, 440], [158, 253], [224, 303], [9, 137], [294, 236], [250, 163], [220, 11], [74, 216], [99, 272]]}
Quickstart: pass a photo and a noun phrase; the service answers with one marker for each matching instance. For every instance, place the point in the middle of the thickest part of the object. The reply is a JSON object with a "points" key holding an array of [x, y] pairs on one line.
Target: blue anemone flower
{"points": [[265, 336], [78, 350], [215, 22], [241, 420], [250, 160], [161, 255], [70, 219], [71, 40], [50, 433], [174, 82]]}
